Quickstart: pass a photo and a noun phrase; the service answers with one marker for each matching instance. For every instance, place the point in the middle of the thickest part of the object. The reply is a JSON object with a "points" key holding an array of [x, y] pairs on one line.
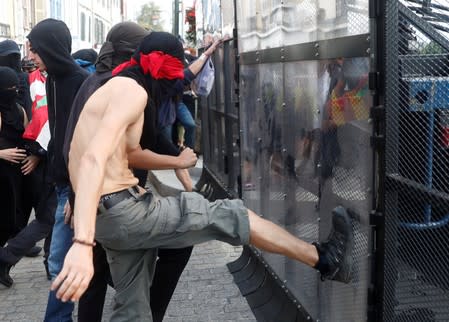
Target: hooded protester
{"points": [[50, 47], [37, 192], [12, 122], [10, 57], [121, 42], [86, 58]]}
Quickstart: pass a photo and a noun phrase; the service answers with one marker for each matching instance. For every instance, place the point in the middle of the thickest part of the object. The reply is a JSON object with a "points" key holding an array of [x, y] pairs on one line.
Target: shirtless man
{"points": [[131, 222]]}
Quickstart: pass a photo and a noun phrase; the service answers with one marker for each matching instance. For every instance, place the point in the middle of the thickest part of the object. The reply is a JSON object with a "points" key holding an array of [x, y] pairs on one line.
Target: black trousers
{"points": [[44, 203], [169, 267], [10, 200]]}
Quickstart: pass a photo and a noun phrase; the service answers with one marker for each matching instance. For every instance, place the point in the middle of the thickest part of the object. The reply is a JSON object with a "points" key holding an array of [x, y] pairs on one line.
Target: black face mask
{"points": [[8, 94]]}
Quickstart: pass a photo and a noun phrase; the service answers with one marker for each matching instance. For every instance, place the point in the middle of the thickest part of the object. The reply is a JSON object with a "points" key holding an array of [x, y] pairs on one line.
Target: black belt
{"points": [[110, 200]]}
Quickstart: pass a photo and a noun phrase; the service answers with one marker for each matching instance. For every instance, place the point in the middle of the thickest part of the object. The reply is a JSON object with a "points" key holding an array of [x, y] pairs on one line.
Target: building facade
{"points": [[88, 20]]}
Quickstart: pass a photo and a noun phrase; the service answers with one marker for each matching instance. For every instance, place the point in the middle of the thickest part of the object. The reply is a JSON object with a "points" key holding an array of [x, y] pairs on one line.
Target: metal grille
{"points": [[417, 161]]}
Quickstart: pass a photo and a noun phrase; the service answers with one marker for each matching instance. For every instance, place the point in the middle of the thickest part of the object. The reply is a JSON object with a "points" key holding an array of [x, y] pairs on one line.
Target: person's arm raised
{"points": [[127, 103], [149, 160], [198, 64]]}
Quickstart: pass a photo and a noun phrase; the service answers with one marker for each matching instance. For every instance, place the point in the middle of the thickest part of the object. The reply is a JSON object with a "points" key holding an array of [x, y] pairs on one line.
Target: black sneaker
{"points": [[5, 279], [33, 251], [337, 250]]}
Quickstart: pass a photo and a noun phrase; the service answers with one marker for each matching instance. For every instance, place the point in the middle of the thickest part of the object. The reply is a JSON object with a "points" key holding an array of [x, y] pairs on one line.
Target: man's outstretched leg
{"points": [[333, 257]]}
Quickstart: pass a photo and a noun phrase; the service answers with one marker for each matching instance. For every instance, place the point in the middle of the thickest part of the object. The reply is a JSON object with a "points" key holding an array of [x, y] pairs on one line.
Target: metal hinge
{"points": [[378, 142], [377, 113], [376, 218], [373, 81]]}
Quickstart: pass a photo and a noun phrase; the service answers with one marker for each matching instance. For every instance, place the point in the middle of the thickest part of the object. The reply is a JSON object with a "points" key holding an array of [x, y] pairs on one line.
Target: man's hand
{"points": [[75, 275], [187, 158], [29, 164], [68, 214], [14, 155], [212, 47]]}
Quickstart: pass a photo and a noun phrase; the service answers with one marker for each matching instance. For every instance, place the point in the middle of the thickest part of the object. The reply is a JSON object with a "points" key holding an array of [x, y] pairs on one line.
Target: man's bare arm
{"points": [[128, 102], [197, 65], [183, 176], [149, 160]]}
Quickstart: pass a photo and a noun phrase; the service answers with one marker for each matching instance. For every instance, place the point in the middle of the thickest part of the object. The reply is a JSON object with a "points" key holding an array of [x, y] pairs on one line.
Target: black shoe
{"points": [[34, 251], [337, 250], [5, 279]]}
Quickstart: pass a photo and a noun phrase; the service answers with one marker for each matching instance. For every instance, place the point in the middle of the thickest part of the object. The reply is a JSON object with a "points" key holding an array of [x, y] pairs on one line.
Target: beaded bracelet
{"points": [[83, 242]]}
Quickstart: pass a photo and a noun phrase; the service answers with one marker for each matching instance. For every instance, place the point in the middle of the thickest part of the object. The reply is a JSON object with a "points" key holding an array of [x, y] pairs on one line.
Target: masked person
{"points": [[10, 57], [12, 124], [130, 222], [37, 192], [121, 41]]}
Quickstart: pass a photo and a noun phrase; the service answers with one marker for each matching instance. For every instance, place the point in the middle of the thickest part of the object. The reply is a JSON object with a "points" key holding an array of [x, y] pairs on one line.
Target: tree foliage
{"points": [[432, 48], [150, 17]]}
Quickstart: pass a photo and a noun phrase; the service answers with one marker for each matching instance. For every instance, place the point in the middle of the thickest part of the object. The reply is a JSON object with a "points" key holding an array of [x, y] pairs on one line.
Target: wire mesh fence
{"points": [[417, 155]]}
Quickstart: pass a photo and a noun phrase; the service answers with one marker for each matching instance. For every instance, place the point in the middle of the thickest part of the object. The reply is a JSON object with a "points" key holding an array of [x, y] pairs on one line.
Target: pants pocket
{"points": [[194, 212]]}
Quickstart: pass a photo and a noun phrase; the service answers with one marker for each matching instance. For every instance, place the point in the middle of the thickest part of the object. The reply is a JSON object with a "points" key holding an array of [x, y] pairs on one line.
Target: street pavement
{"points": [[205, 292]]}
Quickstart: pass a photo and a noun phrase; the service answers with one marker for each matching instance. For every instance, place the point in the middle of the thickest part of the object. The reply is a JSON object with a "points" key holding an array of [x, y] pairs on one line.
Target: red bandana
{"points": [[157, 64]]}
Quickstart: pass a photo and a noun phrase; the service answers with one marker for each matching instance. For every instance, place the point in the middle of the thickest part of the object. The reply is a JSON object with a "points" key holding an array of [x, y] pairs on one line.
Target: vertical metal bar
{"points": [[377, 86], [228, 120], [237, 95], [218, 118]]}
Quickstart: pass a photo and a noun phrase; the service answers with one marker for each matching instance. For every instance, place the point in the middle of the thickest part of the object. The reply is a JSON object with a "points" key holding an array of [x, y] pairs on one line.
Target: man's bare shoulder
{"points": [[125, 88]]}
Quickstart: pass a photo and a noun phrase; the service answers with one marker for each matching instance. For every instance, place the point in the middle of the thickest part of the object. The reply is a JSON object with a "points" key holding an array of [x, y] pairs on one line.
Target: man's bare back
{"points": [[117, 176]]}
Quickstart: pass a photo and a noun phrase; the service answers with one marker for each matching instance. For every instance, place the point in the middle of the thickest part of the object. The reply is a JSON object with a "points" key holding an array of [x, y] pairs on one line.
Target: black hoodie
{"points": [[52, 41], [10, 57]]}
